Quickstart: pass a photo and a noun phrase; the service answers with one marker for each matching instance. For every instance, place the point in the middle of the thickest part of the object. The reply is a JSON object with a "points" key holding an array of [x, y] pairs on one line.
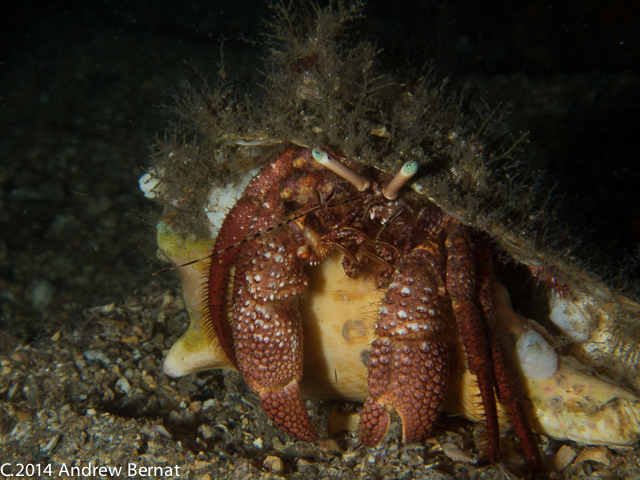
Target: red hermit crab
{"points": [[350, 224], [434, 273]]}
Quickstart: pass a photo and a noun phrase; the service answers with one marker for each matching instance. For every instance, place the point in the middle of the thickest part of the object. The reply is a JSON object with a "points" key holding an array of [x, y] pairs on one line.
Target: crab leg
{"points": [[248, 217], [462, 289], [408, 364], [265, 323], [487, 360], [267, 329], [507, 387]]}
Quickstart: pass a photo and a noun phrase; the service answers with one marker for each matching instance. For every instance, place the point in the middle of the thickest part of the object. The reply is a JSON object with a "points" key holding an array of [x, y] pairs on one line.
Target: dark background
{"points": [[81, 84]]}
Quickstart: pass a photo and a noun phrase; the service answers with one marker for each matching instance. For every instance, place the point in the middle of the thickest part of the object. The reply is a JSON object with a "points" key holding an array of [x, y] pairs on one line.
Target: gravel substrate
{"points": [[84, 325]]}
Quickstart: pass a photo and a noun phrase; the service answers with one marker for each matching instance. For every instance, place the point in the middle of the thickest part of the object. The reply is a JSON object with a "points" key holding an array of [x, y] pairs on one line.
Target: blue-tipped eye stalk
{"points": [[339, 168], [318, 154], [410, 168], [407, 171]]}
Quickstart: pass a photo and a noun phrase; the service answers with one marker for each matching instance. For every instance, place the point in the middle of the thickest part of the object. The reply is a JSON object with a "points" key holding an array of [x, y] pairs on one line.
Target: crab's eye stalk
{"points": [[407, 171], [339, 168], [319, 155]]}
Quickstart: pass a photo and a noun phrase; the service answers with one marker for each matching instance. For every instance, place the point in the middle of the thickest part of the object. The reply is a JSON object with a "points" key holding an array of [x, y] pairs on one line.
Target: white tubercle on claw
{"points": [[339, 168], [570, 317], [538, 360], [221, 198], [407, 171]]}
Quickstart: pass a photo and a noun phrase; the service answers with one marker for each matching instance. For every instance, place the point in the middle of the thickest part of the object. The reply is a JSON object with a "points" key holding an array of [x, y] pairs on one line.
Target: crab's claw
{"points": [[408, 364], [267, 329]]}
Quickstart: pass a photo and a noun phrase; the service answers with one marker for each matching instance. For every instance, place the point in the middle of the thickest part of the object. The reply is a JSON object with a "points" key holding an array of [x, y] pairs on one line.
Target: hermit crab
{"points": [[347, 235]]}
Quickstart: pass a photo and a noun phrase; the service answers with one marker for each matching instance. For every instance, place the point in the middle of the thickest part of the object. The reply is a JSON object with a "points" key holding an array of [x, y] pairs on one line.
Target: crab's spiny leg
{"points": [[389, 246], [355, 231], [407, 171], [248, 217], [388, 222], [408, 363], [511, 396], [339, 168], [344, 251], [267, 329], [381, 261], [508, 389], [462, 290]]}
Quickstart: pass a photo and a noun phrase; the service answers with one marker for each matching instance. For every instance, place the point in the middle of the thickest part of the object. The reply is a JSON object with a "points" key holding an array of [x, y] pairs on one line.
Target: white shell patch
{"points": [[538, 360], [572, 320], [221, 199]]}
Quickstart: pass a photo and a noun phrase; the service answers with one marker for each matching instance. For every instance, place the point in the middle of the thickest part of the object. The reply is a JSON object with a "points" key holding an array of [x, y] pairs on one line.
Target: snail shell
{"points": [[567, 401]]}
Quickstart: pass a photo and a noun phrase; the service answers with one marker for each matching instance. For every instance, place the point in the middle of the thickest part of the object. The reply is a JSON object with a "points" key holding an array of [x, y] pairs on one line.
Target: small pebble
{"points": [[598, 454], [303, 465], [52, 443], [97, 355], [273, 464], [277, 444], [563, 458], [454, 452], [102, 309], [329, 446], [133, 340], [156, 429], [210, 403], [206, 431], [124, 385], [350, 457]]}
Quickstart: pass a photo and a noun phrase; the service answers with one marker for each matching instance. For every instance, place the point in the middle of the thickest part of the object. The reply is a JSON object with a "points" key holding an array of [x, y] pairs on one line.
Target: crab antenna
{"points": [[407, 171], [339, 168]]}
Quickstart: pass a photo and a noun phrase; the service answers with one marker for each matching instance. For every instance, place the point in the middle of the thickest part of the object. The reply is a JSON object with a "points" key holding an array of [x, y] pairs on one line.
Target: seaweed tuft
{"points": [[323, 86]]}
